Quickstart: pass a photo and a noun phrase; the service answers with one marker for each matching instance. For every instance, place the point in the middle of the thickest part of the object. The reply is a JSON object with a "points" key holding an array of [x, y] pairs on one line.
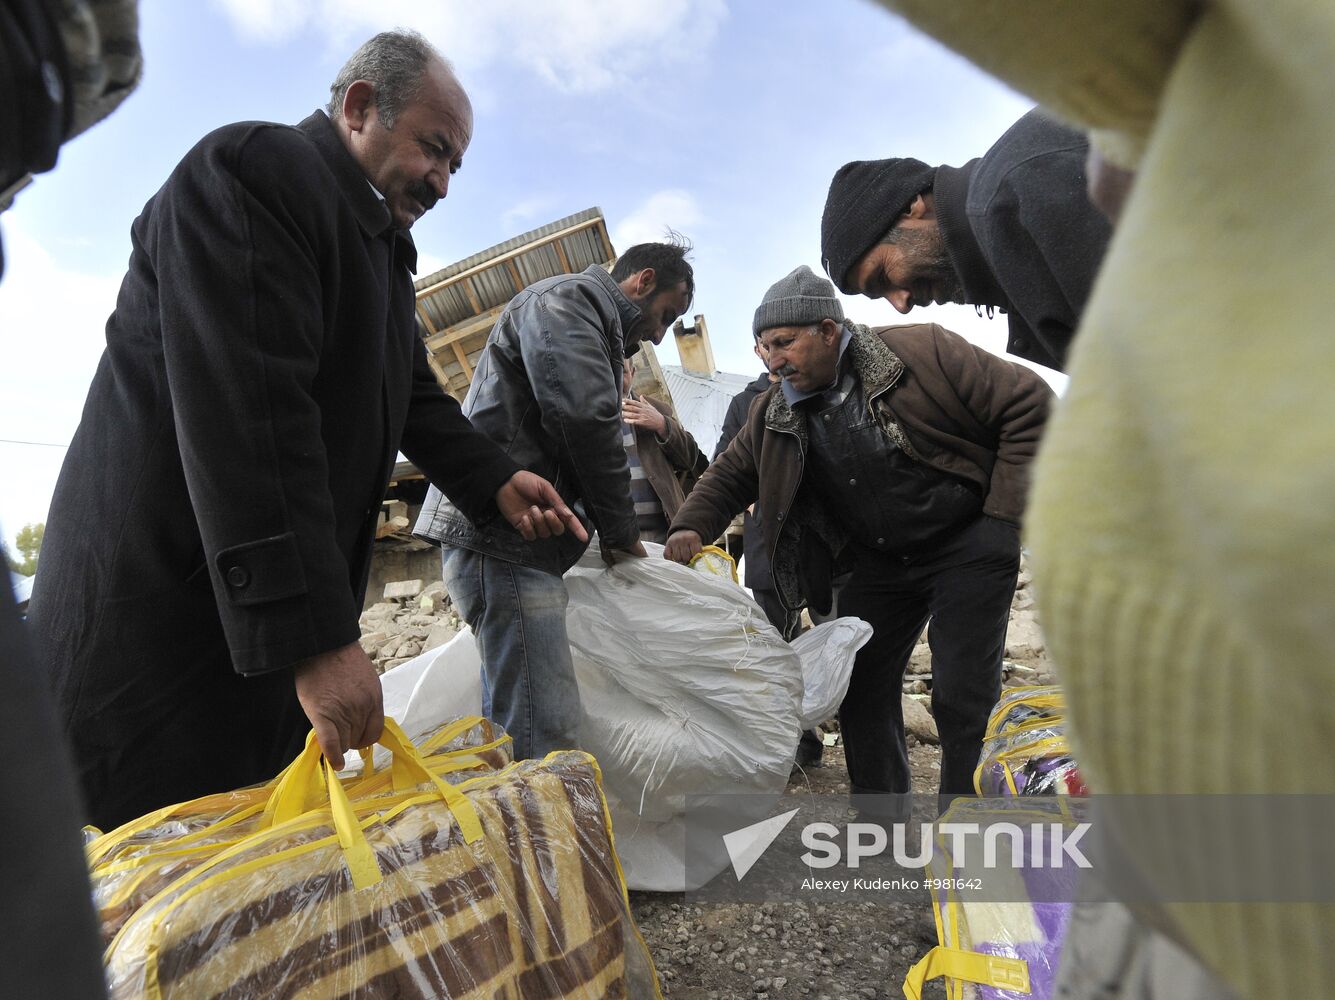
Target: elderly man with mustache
{"points": [[898, 458]]}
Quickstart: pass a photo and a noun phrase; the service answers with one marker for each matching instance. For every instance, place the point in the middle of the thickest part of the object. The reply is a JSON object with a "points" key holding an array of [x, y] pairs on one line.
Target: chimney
{"points": [[697, 357]]}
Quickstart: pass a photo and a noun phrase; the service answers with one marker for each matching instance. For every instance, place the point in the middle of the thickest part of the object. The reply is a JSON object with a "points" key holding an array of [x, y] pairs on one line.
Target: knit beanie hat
{"points": [[865, 199], [799, 299]]}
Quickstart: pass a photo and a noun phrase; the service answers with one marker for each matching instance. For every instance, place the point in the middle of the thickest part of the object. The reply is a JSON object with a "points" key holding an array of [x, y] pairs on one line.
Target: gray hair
{"points": [[394, 62]]}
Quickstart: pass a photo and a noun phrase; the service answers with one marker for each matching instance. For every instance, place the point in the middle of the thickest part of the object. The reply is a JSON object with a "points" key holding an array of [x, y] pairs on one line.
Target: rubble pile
{"points": [[412, 618]]}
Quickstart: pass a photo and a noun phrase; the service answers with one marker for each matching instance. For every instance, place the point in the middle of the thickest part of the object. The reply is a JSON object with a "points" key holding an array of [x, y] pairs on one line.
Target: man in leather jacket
{"points": [[547, 389]]}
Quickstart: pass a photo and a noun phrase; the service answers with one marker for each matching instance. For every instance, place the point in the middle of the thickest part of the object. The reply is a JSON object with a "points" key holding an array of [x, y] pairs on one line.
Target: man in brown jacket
{"points": [[898, 457], [665, 461]]}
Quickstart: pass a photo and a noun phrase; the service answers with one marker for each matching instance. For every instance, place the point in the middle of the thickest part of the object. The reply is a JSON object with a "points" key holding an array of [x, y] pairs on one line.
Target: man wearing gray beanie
{"points": [[1011, 230], [896, 459]]}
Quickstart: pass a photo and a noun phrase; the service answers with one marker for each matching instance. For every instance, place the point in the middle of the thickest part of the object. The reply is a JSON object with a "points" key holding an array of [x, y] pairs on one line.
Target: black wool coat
{"points": [[213, 520]]}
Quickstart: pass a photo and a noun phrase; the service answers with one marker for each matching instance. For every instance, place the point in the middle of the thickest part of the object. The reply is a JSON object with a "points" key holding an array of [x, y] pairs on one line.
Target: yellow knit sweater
{"points": [[1183, 513]]}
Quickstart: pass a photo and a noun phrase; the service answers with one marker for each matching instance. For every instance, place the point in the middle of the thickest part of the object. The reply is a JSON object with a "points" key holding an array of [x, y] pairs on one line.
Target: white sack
{"points": [[828, 652], [427, 691], [687, 690]]}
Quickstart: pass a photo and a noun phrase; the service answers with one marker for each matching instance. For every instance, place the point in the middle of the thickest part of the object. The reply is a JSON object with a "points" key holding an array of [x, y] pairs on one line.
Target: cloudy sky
{"points": [[723, 120]]}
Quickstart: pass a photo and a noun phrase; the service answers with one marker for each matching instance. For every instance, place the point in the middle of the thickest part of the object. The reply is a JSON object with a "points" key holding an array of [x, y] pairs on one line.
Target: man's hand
{"points": [[535, 509], [340, 693], [683, 546], [638, 413], [614, 556]]}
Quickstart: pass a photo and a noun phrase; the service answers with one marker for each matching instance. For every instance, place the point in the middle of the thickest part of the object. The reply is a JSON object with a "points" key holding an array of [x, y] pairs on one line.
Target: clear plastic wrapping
{"points": [[131, 864], [1026, 707], [504, 885], [1006, 950]]}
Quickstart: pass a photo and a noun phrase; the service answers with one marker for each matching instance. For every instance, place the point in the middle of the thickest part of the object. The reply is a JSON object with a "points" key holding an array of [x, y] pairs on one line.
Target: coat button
{"points": [[238, 577], [880, 541], [852, 482], [826, 418]]}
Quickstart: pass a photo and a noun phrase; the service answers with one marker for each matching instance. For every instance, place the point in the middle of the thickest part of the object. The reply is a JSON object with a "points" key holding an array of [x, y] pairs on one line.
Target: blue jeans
{"points": [[518, 617]]}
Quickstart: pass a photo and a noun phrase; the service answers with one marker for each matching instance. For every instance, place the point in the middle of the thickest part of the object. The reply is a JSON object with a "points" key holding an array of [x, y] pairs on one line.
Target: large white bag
{"points": [[827, 653], [686, 689]]}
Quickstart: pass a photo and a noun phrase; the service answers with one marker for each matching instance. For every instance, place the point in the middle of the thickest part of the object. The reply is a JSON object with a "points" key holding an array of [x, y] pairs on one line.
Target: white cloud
{"points": [[580, 48], [267, 20], [51, 334], [523, 211], [673, 208]]}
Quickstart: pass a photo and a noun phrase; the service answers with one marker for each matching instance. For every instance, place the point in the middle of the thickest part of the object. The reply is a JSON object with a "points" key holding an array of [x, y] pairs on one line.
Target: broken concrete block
{"points": [[377, 612], [372, 641], [918, 721], [402, 589], [438, 636]]}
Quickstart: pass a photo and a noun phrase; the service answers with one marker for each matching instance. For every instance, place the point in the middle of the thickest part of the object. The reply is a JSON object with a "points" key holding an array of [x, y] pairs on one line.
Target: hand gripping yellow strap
{"points": [[302, 788], [990, 970]]}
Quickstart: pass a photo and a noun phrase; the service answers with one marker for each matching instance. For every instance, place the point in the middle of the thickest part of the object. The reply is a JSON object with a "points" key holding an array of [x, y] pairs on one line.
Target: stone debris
{"points": [[1026, 653], [414, 618], [400, 589], [919, 722]]}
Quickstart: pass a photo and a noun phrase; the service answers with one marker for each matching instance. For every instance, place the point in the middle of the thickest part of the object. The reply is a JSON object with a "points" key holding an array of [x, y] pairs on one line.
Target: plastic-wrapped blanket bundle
{"points": [[505, 885], [1026, 707], [1025, 750], [1004, 950], [131, 864], [1008, 950]]}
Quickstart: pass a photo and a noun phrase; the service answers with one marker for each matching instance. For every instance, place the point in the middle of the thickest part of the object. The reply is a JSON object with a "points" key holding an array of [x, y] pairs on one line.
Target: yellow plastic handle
{"points": [[991, 970], [302, 789], [715, 553]]}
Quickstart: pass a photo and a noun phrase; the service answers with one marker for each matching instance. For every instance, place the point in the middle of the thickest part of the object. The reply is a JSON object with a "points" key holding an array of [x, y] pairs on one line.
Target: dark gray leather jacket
{"points": [[547, 389]]}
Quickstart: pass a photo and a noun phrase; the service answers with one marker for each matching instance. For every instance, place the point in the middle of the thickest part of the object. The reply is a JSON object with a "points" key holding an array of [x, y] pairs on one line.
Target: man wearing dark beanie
{"points": [[898, 457], [1012, 230]]}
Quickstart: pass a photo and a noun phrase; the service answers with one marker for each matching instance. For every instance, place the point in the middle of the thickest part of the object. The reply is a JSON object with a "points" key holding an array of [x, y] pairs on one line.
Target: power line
{"points": [[35, 444]]}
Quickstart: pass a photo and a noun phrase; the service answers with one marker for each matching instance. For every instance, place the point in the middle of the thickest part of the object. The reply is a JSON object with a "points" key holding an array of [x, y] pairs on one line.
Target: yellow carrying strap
{"points": [[357, 850], [990, 970], [302, 788], [714, 561]]}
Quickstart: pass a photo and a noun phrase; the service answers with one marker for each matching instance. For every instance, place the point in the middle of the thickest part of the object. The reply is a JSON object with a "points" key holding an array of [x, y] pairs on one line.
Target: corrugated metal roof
{"points": [[702, 402], [495, 287]]}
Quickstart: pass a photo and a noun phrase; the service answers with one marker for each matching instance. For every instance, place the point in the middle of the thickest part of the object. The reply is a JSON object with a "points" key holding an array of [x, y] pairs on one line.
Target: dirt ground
{"points": [[826, 951]]}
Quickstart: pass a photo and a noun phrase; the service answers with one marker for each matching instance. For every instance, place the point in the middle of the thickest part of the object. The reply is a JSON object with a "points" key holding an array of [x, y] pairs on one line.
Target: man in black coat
{"points": [[209, 540], [1012, 230]]}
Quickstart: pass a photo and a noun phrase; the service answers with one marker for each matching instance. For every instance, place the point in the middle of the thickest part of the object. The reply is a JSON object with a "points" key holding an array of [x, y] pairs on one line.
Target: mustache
{"points": [[424, 194], [785, 371]]}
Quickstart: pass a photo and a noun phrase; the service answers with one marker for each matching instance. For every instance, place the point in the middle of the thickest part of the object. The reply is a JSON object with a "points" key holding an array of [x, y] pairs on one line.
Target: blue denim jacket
{"points": [[547, 389]]}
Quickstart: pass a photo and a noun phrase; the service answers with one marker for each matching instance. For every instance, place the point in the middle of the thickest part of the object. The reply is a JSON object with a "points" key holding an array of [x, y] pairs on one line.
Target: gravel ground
{"points": [[826, 951]]}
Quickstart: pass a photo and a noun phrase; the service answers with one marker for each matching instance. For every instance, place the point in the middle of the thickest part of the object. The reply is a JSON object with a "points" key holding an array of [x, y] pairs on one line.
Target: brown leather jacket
{"points": [[948, 404], [672, 465]]}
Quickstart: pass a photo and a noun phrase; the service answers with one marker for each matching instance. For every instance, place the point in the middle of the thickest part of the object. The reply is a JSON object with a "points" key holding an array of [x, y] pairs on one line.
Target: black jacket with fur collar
{"points": [[947, 403]]}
